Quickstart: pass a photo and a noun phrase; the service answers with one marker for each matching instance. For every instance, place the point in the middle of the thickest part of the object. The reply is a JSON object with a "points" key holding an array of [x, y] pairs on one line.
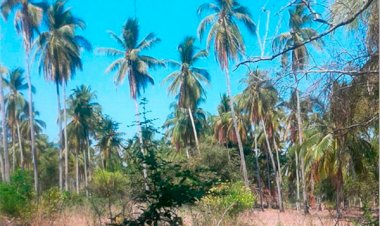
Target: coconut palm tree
{"points": [[59, 52], [228, 45], [81, 111], [259, 99], [6, 165], [109, 140], [181, 126], [16, 103], [299, 21], [28, 17], [133, 64], [186, 82]]}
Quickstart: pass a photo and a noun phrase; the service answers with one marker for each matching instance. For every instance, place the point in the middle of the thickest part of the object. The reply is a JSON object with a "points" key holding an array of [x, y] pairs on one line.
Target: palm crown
{"points": [[131, 62], [187, 80], [228, 41]]}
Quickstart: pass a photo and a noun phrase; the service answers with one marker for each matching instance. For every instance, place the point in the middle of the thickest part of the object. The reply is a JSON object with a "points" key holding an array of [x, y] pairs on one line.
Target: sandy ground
{"points": [[269, 217]]}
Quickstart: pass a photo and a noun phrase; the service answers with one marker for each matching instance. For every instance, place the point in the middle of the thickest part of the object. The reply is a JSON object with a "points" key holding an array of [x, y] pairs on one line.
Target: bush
{"points": [[52, 202], [232, 198], [16, 196]]}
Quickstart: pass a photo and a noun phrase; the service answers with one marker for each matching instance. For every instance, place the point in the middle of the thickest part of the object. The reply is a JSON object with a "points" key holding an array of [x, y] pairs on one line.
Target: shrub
{"points": [[16, 196], [232, 198], [52, 202]]}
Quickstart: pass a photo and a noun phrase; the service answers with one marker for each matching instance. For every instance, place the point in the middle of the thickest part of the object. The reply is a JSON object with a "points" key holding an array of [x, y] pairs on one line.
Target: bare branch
{"points": [[328, 31]]}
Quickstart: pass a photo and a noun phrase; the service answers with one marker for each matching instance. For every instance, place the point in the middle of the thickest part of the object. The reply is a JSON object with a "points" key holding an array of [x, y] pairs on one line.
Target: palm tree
{"points": [[16, 103], [259, 99], [299, 32], [6, 167], [82, 109], [109, 140], [28, 17], [131, 63], [59, 51], [187, 81], [181, 126], [228, 45]]}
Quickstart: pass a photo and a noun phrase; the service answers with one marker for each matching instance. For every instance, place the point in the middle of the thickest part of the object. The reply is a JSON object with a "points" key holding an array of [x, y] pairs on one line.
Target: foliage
{"points": [[231, 197], [16, 197]]}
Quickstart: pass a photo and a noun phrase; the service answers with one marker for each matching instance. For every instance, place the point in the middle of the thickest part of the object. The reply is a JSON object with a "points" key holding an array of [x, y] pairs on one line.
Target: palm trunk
{"points": [[66, 138], [278, 185], [140, 135], [278, 159], [2, 166], [257, 168], [298, 182], [302, 165], [20, 145], [89, 159], [31, 120], [4, 133], [240, 144], [194, 130], [60, 138], [85, 171], [13, 151], [76, 171]]}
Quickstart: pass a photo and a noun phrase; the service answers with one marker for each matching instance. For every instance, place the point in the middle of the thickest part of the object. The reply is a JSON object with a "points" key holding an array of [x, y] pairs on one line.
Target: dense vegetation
{"points": [[301, 135]]}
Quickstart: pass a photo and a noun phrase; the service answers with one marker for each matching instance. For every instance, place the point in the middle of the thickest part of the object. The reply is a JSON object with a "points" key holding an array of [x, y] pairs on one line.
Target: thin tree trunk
{"points": [[257, 168], [297, 181], [140, 135], [4, 132], [89, 158], [278, 159], [2, 166], [20, 145], [278, 185], [60, 167], [31, 120], [240, 144], [302, 165], [66, 139], [13, 151], [194, 130], [85, 169], [76, 171]]}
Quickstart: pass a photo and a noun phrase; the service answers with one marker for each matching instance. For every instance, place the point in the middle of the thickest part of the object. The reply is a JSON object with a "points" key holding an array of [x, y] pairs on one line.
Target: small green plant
{"points": [[232, 198], [16, 196], [52, 202]]}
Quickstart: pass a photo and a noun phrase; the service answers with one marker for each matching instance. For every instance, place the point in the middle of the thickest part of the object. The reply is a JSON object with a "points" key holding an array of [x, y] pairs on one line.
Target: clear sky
{"points": [[170, 20]]}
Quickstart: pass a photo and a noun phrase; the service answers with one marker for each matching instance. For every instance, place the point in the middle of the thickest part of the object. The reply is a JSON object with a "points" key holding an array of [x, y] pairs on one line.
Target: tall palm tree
{"points": [[259, 99], [6, 166], [82, 109], [16, 103], [187, 81], [134, 65], [28, 16], [299, 32], [59, 51], [228, 45]]}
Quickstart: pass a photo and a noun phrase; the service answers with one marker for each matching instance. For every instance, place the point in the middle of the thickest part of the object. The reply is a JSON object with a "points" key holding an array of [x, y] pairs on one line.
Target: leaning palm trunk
{"points": [[20, 144], [278, 159], [140, 135], [194, 130], [257, 168], [297, 181], [302, 165], [278, 185], [60, 138], [4, 133], [240, 144], [66, 138], [31, 120]]}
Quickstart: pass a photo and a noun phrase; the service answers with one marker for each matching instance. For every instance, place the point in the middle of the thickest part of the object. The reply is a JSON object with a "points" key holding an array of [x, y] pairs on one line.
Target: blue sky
{"points": [[170, 20]]}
